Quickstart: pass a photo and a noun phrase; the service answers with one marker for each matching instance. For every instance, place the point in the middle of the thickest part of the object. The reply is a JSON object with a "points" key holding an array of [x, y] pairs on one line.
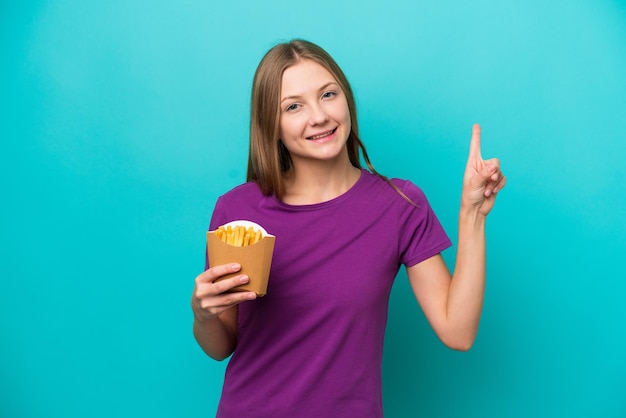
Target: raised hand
{"points": [[482, 179]]}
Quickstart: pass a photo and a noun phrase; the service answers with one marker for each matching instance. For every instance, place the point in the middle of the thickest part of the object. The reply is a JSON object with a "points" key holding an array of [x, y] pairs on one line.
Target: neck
{"points": [[316, 183]]}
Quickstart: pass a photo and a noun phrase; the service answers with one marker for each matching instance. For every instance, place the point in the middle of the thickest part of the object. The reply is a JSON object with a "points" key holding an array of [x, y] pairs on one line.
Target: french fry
{"points": [[221, 233], [230, 237], [235, 236], [239, 235]]}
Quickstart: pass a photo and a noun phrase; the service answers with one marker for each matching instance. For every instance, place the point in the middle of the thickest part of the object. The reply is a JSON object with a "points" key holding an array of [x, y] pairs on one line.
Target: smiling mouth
{"points": [[322, 135]]}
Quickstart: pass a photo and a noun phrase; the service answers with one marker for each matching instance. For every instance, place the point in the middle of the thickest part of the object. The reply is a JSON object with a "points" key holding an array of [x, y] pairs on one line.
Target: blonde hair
{"points": [[268, 159]]}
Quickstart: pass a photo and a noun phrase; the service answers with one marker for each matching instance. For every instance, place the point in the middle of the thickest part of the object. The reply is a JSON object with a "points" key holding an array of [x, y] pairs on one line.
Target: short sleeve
{"points": [[219, 214], [421, 235], [217, 218]]}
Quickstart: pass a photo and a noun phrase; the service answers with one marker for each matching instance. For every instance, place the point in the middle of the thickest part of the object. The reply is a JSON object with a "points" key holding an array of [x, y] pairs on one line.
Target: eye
{"points": [[329, 94], [292, 107]]}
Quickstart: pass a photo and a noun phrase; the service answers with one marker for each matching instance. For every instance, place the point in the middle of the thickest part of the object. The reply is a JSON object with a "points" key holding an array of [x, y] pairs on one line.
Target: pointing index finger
{"points": [[475, 142]]}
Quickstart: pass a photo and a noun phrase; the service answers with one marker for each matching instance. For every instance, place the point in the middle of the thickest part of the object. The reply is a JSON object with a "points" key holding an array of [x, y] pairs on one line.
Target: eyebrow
{"points": [[297, 96]]}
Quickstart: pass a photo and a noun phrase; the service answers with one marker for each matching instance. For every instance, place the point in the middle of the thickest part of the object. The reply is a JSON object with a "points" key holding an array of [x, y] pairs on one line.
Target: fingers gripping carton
{"points": [[248, 244]]}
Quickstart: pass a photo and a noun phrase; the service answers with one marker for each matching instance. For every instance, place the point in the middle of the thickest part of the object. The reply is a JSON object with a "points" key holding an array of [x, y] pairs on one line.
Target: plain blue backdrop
{"points": [[122, 121]]}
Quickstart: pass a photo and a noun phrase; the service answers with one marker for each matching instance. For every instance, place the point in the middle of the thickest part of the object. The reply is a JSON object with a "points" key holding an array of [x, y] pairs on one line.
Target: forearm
{"points": [[467, 288], [215, 338]]}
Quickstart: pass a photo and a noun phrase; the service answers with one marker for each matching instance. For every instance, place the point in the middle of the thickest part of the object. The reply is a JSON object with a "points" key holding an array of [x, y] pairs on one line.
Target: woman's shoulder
{"points": [[395, 187], [247, 187], [409, 188], [245, 191]]}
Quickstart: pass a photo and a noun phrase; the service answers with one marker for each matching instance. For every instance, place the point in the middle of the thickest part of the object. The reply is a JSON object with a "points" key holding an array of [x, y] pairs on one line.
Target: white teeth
{"points": [[325, 134], [320, 136]]}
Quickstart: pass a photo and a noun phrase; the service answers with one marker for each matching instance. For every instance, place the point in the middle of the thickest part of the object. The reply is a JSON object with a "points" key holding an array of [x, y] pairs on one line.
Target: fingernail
{"points": [[235, 267], [244, 279]]}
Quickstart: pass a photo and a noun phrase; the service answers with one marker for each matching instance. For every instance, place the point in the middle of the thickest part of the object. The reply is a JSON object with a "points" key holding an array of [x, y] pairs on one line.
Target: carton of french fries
{"points": [[248, 244]]}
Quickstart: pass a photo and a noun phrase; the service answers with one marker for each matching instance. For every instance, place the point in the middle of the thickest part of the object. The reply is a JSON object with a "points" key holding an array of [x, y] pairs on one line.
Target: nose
{"points": [[318, 115]]}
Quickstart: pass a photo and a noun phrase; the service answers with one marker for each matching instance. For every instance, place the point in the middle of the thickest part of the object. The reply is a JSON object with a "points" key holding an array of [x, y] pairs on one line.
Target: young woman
{"points": [[312, 347]]}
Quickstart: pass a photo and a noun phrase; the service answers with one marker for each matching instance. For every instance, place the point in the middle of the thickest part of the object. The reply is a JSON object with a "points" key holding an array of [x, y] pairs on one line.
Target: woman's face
{"points": [[314, 115]]}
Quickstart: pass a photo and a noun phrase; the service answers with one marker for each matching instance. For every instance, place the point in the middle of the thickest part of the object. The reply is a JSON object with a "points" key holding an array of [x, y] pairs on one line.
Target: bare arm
{"points": [[453, 303], [215, 312]]}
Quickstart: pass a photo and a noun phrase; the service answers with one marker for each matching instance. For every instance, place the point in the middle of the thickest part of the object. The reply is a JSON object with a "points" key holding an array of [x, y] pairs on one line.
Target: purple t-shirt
{"points": [[313, 346]]}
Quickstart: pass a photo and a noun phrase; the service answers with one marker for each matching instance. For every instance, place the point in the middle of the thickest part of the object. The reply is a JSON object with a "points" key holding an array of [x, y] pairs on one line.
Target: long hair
{"points": [[268, 158]]}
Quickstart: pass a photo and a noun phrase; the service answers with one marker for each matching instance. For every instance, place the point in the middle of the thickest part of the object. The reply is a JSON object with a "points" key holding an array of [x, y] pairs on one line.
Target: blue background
{"points": [[122, 121]]}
